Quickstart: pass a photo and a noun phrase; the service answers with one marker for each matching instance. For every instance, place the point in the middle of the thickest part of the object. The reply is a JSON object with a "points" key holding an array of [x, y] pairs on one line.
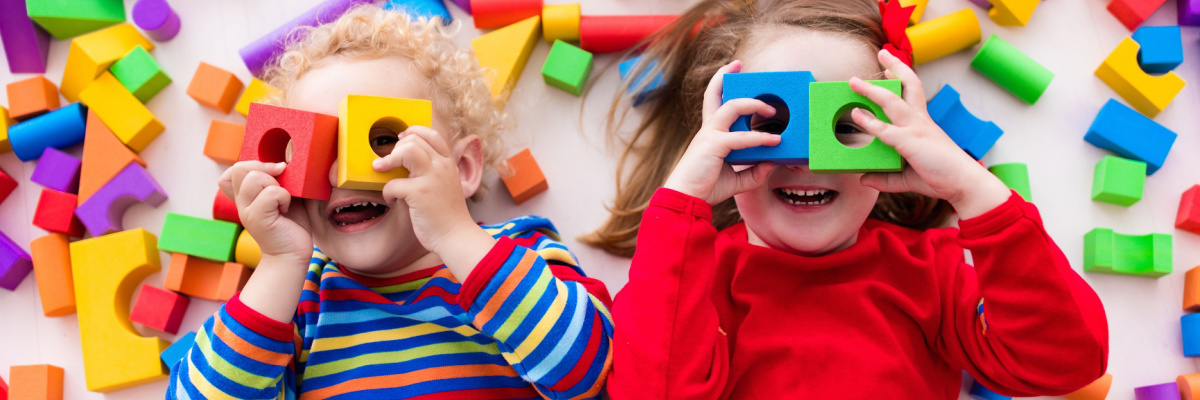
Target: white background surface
{"points": [[1070, 37]]}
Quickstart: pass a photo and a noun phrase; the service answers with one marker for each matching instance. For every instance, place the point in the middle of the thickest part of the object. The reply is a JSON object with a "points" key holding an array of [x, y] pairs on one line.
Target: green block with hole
{"points": [[65, 19], [567, 67], [1015, 176], [827, 101], [200, 237], [1119, 181], [1107, 252], [140, 74]]}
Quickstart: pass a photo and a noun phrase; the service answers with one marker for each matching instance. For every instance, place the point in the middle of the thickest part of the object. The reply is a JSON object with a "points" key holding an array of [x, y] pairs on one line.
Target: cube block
{"points": [[1118, 181], [224, 143], [31, 97], [1015, 176], [1161, 48], [57, 170], [828, 101], [7, 185], [1187, 219], [159, 309], [214, 87], [567, 67], [1191, 290], [357, 117], [93, 53], [256, 92], [140, 73], [205, 279], [787, 90], [35, 382], [178, 350], [314, 139], [56, 213], [200, 237], [526, 178]]}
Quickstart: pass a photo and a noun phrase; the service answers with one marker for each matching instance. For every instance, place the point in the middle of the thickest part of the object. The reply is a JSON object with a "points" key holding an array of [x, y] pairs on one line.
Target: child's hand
{"points": [[936, 166], [702, 171], [266, 210]]}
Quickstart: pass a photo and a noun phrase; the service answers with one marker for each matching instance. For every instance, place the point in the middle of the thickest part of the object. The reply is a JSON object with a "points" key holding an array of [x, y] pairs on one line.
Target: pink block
{"points": [[25, 44], [159, 309], [57, 170], [102, 213], [157, 18], [14, 263], [7, 185]]}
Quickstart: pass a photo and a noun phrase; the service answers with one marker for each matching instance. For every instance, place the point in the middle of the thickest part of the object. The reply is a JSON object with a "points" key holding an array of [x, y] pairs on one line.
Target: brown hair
{"points": [[688, 57]]}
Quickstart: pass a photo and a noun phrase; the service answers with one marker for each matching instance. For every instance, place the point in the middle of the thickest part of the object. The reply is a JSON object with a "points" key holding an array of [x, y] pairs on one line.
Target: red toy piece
{"points": [[1188, 218], [1132, 13], [7, 185], [225, 209], [314, 146], [56, 213], [159, 309], [500, 13], [617, 33]]}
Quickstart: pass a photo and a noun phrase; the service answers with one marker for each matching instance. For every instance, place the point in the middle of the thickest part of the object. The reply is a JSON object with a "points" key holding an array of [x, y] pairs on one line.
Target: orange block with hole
{"points": [[526, 179], [35, 382], [52, 267], [103, 157], [28, 98], [224, 143], [215, 88], [205, 279]]}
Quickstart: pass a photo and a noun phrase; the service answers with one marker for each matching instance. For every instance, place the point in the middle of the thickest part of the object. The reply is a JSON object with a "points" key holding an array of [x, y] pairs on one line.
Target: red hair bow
{"points": [[895, 21]]}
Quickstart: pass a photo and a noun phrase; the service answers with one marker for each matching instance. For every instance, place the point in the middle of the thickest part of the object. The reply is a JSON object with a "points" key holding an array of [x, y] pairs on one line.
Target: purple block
{"points": [[262, 52], [157, 18], [25, 44], [1166, 391], [14, 263], [465, 5], [1189, 12], [57, 170], [102, 213]]}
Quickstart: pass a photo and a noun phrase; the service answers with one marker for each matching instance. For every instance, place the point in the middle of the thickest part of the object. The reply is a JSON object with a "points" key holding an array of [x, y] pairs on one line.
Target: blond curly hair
{"points": [[455, 79]]}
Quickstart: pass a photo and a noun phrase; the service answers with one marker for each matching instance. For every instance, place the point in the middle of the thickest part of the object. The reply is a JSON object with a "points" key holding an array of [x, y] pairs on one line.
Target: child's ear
{"points": [[468, 157]]}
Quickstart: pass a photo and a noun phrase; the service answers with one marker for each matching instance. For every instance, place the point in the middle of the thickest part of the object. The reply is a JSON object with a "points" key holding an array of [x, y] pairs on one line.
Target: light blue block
{"points": [[978, 392], [421, 8], [652, 89], [1161, 48], [178, 350], [1130, 134], [970, 133], [59, 129], [789, 88], [1190, 325]]}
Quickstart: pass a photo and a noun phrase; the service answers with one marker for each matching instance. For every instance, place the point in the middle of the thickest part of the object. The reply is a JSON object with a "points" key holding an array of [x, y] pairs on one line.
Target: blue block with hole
{"points": [[978, 392], [652, 89], [1130, 134], [789, 88], [970, 133], [421, 8], [1161, 48]]}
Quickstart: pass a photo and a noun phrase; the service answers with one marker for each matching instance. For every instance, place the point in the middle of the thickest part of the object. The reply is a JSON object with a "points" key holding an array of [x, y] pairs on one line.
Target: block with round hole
{"points": [[827, 102], [313, 139], [360, 120], [789, 92]]}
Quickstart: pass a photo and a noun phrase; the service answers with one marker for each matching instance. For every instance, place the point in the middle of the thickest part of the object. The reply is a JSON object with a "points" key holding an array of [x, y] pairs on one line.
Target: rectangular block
{"points": [[199, 237], [56, 213], [104, 156], [314, 147], [26, 45], [128, 118], [1191, 290], [214, 88], [178, 350], [362, 117], [52, 270], [159, 309], [35, 382], [637, 85], [1118, 181], [567, 67], [787, 91], [224, 142], [1190, 326], [65, 19], [93, 53], [256, 92], [827, 102], [526, 179], [140, 74], [57, 170], [205, 279], [1124, 131], [1015, 176], [31, 97], [15, 263]]}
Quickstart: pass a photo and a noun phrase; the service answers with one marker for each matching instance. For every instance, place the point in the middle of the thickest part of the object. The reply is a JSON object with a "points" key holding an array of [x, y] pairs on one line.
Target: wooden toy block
{"points": [[156, 18], [1147, 93], [256, 92], [1165, 391], [123, 113], [1161, 48], [140, 73], [214, 88], [1015, 176], [247, 253], [56, 213], [225, 209], [498, 13], [1097, 390], [200, 237], [1189, 386], [26, 45], [1190, 325], [15, 263], [314, 147], [1188, 217], [224, 143], [1188, 13], [1012, 12], [31, 97], [1124, 131], [106, 269], [788, 91], [52, 270], [104, 156], [429, 9], [827, 101], [526, 179], [57, 170], [917, 11], [1132, 13], [265, 49], [1118, 181], [35, 382], [159, 309], [979, 392], [205, 279], [973, 135], [102, 213], [1137, 255], [567, 67], [1012, 69], [92, 54], [59, 129], [357, 116], [1191, 290], [944, 35], [505, 51], [7, 185], [639, 87], [66, 19], [617, 33], [178, 350], [561, 22]]}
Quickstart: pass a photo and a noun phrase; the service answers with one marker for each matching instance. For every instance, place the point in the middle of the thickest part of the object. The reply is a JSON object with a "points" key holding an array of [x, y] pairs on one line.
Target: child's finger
{"points": [[712, 95], [235, 174], [914, 93], [895, 107], [272, 199], [745, 140], [412, 153], [729, 112], [432, 137], [875, 127], [753, 177], [253, 184]]}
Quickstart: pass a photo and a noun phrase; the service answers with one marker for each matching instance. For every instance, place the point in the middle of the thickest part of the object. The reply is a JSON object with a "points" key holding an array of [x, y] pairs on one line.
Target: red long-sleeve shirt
{"points": [[707, 315]]}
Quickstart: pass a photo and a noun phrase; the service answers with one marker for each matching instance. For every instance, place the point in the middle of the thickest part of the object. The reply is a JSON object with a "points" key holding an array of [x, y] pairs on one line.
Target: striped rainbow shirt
{"points": [[526, 323]]}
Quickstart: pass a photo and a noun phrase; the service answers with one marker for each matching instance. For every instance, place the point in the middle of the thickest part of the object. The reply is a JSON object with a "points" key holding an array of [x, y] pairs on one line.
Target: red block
{"points": [[1132, 13], [7, 184], [56, 213], [159, 309], [617, 33], [225, 209], [3, 390], [314, 146], [500, 13], [1188, 218]]}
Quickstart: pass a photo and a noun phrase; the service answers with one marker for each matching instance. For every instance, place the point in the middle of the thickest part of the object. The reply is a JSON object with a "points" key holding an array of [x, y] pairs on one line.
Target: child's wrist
{"points": [[984, 194]]}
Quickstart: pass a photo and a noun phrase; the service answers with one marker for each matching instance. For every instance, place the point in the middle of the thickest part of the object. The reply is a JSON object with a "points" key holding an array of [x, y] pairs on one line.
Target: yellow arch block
{"points": [[944, 35], [1012, 12], [561, 22], [106, 270], [124, 114], [357, 115], [1147, 93], [92, 54], [502, 54]]}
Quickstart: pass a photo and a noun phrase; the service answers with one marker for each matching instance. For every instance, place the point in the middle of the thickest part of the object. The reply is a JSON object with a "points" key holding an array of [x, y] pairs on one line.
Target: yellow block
{"points": [[247, 251], [1147, 93], [256, 92], [5, 121], [357, 115], [92, 54], [561, 22], [127, 117], [944, 35], [503, 54], [1012, 12], [916, 15], [106, 270]]}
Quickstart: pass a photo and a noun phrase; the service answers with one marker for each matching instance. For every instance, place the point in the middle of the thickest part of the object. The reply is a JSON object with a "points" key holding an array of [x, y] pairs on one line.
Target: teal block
{"points": [[140, 74], [1118, 181], [1015, 176], [828, 101], [1138, 255], [567, 67], [200, 237], [65, 19]]}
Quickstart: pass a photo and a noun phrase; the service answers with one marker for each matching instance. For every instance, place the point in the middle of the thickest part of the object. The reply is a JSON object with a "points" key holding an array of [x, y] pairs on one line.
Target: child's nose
{"points": [[333, 173]]}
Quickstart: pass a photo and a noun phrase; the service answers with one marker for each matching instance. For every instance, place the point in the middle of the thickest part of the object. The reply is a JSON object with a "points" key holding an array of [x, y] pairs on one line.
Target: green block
{"points": [[140, 74], [828, 101], [1012, 69], [1138, 255], [1015, 176], [567, 67], [65, 19], [200, 237], [1119, 181]]}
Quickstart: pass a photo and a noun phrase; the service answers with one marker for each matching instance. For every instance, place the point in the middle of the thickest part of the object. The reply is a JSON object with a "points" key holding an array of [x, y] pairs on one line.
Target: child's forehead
{"points": [[322, 88], [829, 56]]}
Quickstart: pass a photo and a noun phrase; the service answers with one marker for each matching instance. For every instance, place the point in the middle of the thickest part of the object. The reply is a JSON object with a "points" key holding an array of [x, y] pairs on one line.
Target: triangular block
{"points": [[504, 52], [65, 19], [103, 157]]}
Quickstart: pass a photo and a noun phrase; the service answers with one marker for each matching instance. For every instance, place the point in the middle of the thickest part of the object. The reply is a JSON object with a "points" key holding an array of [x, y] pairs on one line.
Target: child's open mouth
{"points": [[357, 213], [813, 197]]}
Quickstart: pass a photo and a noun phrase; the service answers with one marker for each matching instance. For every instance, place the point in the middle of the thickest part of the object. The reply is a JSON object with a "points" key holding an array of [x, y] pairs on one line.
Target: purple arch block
{"points": [[157, 18], [102, 213]]}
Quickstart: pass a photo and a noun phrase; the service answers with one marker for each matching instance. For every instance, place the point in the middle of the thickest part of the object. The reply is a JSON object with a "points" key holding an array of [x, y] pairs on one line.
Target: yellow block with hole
{"points": [[561, 22], [247, 251], [256, 92], [1147, 93], [124, 114], [357, 116], [502, 54], [1012, 12], [92, 54], [944, 35], [916, 15], [106, 270]]}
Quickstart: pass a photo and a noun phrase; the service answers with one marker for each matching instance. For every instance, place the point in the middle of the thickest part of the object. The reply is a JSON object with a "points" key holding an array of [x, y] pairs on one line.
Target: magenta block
{"points": [[1166, 391], [465, 5], [157, 18], [1189, 12], [102, 213], [25, 44], [14, 263], [262, 52], [57, 170]]}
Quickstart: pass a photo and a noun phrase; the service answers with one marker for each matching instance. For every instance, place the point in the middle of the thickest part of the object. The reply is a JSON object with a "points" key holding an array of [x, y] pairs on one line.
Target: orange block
{"points": [[526, 179], [205, 279], [214, 87], [1191, 290], [1097, 390], [103, 157], [28, 98], [1189, 386], [35, 382], [224, 143], [52, 267]]}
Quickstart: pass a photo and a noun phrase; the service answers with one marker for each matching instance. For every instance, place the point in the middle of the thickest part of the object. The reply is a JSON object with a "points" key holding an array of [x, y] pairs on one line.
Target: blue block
{"points": [[421, 8], [1130, 134], [972, 134], [1190, 325], [59, 129], [1162, 48], [177, 350], [789, 88], [978, 392], [652, 89]]}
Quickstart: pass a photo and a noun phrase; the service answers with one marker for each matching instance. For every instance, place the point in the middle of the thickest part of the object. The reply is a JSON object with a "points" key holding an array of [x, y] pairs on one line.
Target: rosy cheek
{"points": [[333, 173]]}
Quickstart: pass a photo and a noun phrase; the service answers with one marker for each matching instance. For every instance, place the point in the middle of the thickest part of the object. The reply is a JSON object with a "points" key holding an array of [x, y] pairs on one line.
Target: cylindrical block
{"points": [[1012, 69], [1189, 386], [617, 33], [944, 35], [500, 13], [1097, 390], [561, 22], [225, 209], [247, 251], [1166, 391], [1015, 176], [59, 129], [260, 53], [157, 18]]}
